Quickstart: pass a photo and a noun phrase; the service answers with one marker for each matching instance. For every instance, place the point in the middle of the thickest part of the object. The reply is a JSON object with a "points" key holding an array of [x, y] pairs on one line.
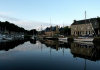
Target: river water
{"points": [[49, 55]]}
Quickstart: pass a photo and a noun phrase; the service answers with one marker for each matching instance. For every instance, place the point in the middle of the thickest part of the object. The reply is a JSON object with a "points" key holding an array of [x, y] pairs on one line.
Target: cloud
{"points": [[25, 24], [7, 18], [28, 25], [32, 25]]}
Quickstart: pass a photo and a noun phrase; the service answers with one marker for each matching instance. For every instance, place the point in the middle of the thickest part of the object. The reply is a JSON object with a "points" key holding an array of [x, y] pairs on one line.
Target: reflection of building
{"points": [[85, 27], [90, 52], [33, 41], [55, 44], [52, 31]]}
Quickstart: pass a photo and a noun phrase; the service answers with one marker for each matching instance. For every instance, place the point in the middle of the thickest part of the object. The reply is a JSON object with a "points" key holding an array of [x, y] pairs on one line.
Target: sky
{"points": [[31, 14]]}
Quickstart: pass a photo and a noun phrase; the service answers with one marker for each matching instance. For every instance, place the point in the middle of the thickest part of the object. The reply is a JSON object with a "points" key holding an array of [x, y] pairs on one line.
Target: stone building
{"points": [[85, 27]]}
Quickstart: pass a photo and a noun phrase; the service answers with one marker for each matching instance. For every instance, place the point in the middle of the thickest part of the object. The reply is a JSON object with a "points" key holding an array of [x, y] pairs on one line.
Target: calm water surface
{"points": [[49, 55]]}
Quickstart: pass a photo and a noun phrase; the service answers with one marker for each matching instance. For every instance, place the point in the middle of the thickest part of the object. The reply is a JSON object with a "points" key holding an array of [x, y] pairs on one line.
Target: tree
{"points": [[67, 31], [10, 27], [33, 32], [98, 19]]}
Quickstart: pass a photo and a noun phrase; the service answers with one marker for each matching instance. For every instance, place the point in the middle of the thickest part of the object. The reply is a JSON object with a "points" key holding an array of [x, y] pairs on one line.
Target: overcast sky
{"points": [[32, 14]]}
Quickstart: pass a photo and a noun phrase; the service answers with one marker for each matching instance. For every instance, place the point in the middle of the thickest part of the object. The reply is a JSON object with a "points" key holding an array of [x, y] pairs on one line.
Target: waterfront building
{"points": [[85, 27]]}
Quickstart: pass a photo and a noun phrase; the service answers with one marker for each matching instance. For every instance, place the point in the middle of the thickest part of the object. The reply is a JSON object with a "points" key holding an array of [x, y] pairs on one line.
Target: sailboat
{"points": [[7, 36], [62, 38], [34, 36]]}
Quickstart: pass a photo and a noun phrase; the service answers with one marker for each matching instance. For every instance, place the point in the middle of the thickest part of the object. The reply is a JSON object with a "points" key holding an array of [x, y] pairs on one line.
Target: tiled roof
{"points": [[85, 21]]}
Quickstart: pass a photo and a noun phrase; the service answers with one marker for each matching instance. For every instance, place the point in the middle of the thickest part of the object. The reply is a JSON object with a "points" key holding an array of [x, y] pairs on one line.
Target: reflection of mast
{"points": [[85, 65], [50, 51], [41, 47], [38, 44], [63, 51]]}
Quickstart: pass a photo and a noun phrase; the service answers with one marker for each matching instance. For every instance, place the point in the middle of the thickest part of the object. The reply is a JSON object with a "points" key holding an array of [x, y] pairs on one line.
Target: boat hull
{"points": [[85, 40], [63, 39]]}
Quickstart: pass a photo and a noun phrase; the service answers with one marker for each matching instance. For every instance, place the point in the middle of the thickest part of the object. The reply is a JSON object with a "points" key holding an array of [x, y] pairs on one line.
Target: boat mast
{"points": [[51, 27], [41, 29], [85, 17], [85, 21], [90, 23]]}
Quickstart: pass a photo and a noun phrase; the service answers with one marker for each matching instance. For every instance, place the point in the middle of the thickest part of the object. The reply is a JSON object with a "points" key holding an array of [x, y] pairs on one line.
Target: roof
{"points": [[50, 29], [91, 20]]}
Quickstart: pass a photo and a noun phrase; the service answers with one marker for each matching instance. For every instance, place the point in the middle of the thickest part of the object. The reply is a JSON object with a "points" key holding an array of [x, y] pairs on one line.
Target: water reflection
{"points": [[36, 55], [32, 41], [55, 44], [86, 50], [7, 45]]}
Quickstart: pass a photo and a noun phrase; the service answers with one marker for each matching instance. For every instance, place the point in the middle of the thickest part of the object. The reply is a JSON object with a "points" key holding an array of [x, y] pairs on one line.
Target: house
{"points": [[51, 31], [85, 27]]}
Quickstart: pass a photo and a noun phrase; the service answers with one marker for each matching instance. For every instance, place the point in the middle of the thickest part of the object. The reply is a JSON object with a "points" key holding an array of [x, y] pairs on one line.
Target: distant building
{"points": [[52, 31], [85, 27]]}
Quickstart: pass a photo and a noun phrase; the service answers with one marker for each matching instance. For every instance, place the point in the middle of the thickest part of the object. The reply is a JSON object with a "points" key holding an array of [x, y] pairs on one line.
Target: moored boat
{"points": [[63, 39]]}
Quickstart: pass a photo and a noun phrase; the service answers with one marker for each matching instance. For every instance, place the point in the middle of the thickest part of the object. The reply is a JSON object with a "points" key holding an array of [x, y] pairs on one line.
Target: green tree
{"points": [[67, 31], [98, 19]]}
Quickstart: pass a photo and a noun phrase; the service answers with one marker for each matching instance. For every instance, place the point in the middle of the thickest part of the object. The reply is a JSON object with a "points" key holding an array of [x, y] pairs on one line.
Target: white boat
{"points": [[33, 37], [63, 39], [9, 38], [84, 39], [5, 37]]}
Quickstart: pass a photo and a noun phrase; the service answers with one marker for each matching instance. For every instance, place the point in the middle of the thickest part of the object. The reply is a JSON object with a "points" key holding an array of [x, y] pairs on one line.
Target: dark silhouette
{"points": [[33, 32], [66, 31], [10, 27], [6, 46]]}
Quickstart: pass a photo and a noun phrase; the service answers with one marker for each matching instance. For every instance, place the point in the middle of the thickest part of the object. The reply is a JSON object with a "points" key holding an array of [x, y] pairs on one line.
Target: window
{"points": [[86, 32], [80, 32], [89, 32], [74, 32]]}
